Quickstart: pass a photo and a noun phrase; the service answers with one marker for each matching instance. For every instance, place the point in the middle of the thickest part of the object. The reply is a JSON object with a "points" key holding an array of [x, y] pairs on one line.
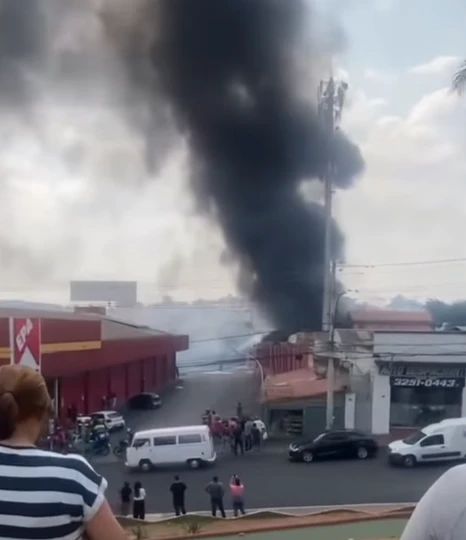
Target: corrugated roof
{"points": [[299, 384], [386, 315]]}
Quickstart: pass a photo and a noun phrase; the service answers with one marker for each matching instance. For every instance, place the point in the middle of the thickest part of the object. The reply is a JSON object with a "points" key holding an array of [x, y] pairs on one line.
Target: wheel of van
{"points": [[409, 461], [362, 453], [194, 463], [308, 457], [145, 465]]}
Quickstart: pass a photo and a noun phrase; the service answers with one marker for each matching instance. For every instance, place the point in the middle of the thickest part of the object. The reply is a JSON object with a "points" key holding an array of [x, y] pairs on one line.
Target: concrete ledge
{"points": [[267, 520]]}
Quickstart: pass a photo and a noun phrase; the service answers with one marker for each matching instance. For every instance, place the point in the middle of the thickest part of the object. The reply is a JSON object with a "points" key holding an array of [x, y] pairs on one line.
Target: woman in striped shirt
{"points": [[43, 495]]}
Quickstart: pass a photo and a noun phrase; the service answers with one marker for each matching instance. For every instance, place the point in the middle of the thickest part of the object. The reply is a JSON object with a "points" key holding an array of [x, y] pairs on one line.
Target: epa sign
{"points": [[25, 342]]}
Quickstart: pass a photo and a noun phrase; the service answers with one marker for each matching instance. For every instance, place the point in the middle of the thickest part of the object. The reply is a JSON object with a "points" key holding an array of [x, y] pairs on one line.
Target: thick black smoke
{"points": [[225, 66], [22, 44]]}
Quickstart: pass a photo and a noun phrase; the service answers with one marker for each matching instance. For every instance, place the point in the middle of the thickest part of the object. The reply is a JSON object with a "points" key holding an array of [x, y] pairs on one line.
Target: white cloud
{"points": [[440, 65], [409, 206], [379, 77]]}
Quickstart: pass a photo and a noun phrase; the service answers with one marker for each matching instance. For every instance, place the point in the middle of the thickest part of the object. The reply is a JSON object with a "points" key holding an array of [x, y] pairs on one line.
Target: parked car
{"points": [[335, 444], [145, 400], [112, 419], [444, 441]]}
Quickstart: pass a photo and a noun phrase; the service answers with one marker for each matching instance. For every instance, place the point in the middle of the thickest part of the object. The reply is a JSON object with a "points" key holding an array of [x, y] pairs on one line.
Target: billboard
{"points": [[119, 292], [25, 342]]}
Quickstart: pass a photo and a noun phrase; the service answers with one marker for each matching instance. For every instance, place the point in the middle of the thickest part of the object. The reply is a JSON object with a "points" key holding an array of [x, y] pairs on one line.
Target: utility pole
{"points": [[331, 98]]}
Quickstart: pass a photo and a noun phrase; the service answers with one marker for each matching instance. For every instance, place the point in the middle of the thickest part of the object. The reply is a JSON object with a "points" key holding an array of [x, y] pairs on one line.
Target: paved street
{"points": [[273, 482], [186, 404], [270, 480]]}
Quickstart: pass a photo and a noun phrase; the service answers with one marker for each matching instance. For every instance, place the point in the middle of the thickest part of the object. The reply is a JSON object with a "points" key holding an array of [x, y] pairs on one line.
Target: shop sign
{"points": [[25, 342], [427, 382], [413, 370]]}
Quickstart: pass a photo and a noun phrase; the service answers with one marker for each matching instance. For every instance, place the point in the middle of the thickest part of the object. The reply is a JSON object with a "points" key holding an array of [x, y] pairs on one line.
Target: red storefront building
{"points": [[86, 358]]}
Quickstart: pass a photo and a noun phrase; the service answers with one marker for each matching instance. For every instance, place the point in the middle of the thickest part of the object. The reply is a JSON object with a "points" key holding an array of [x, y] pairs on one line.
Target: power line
{"points": [[408, 263]]}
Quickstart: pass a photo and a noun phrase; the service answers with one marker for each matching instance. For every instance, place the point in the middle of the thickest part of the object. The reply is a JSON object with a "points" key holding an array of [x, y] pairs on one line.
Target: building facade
{"points": [[87, 358], [403, 379]]}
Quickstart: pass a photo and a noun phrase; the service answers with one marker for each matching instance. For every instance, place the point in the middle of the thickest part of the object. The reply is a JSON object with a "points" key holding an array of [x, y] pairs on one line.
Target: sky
{"points": [[103, 222]]}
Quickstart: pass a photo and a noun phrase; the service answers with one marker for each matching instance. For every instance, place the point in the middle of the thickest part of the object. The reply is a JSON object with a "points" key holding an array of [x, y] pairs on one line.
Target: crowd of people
{"points": [[240, 433], [134, 497]]}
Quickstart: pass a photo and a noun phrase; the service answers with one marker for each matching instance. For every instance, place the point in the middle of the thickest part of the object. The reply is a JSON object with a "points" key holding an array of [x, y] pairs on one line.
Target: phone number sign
{"points": [[427, 382]]}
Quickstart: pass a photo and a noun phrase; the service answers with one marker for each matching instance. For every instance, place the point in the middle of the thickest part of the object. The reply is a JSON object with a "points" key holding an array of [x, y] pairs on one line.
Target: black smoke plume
{"points": [[225, 66], [226, 69]]}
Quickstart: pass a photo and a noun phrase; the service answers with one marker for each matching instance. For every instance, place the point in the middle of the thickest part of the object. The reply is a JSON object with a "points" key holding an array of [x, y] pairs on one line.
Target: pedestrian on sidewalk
{"points": [[125, 499], [178, 490], [237, 495], [139, 501], [216, 493]]}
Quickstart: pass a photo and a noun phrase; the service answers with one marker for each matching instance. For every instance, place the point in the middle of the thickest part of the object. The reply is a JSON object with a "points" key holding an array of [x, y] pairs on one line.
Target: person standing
{"points": [[139, 501], [125, 499], [256, 437], [248, 434], [216, 492], [178, 490], [44, 494], [239, 410], [237, 495], [238, 444]]}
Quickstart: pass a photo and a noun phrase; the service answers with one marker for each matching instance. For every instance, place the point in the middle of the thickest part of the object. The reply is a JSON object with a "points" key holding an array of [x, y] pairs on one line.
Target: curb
{"points": [[293, 511], [273, 521]]}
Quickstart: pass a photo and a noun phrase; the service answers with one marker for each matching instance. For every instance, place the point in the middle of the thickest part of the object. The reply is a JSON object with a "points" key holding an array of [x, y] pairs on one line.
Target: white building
{"points": [[399, 379], [416, 378]]}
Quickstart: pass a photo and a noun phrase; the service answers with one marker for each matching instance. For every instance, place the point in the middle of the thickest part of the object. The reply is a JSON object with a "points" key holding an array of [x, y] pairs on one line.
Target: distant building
{"points": [[391, 320]]}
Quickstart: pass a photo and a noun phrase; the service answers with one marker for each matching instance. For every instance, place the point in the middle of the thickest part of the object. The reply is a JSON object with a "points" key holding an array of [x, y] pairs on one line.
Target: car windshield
{"points": [[414, 437], [114, 415], [319, 437]]}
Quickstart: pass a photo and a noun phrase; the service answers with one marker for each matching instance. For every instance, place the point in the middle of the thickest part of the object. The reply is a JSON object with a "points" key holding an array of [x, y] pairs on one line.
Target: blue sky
{"points": [[405, 33]]}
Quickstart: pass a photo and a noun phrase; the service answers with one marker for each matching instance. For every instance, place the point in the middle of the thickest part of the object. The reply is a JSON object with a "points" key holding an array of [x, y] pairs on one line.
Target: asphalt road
{"points": [[186, 404], [270, 480]]}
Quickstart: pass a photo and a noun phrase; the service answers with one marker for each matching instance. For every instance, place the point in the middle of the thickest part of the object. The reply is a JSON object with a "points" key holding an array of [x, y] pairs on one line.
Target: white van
{"points": [[445, 441], [191, 445]]}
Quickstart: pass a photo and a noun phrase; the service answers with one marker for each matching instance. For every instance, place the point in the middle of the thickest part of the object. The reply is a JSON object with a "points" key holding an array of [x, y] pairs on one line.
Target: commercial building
{"points": [[88, 357], [392, 371]]}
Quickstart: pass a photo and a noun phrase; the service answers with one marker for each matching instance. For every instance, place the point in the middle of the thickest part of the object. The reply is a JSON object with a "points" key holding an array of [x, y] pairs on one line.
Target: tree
{"points": [[459, 80]]}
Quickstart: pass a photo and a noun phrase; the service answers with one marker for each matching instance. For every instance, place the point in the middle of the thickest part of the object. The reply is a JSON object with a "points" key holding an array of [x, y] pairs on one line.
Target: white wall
{"points": [[380, 404], [350, 410], [421, 347]]}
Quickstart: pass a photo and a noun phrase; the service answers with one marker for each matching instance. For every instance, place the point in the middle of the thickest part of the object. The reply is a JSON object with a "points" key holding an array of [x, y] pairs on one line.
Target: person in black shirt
{"points": [[125, 499], [178, 490]]}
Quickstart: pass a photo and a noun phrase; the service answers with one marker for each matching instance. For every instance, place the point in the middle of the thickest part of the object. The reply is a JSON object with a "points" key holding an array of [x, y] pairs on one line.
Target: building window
{"points": [[420, 406]]}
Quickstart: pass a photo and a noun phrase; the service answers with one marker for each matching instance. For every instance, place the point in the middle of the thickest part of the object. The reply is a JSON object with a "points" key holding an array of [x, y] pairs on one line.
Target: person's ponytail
{"points": [[8, 415]]}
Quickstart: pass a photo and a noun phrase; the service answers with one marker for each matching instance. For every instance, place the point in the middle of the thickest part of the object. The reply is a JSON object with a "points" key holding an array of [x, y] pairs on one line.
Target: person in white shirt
{"points": [[441, 513], [139, 501]]}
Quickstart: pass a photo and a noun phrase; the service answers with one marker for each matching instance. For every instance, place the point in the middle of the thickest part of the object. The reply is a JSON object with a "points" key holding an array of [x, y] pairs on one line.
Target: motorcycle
{"points": [[100, 448], [120, 449]]}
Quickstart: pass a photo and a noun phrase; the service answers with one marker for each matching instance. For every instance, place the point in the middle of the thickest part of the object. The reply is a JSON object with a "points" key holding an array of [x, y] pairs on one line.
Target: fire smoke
{"points": [[222, 75]]}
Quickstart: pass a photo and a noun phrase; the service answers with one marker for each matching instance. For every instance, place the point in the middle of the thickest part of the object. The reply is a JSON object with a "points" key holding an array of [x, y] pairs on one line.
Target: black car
{"points": [[145, 400], [334, 444]]}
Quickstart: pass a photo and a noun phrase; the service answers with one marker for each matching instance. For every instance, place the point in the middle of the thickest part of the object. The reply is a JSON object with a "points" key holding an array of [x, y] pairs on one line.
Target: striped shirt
{"points": [[45, 496]]}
